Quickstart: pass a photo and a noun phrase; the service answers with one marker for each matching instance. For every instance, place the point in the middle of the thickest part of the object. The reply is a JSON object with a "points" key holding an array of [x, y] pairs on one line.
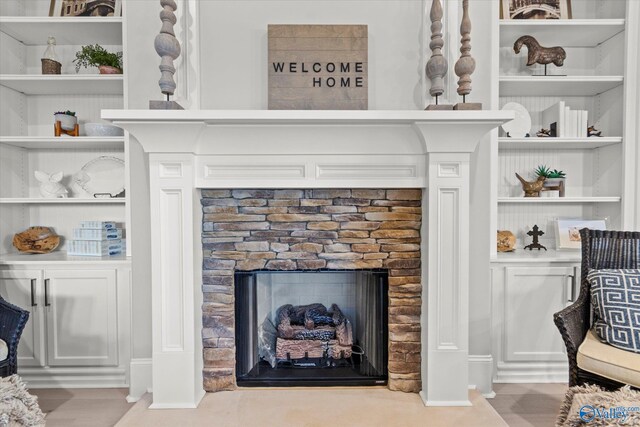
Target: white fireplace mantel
{"points": [[307, 149]]}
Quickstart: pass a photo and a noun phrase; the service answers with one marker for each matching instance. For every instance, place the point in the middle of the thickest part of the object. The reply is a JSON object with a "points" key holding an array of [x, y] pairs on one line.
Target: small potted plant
{"points": [[67, 119], [97, 56], [555, 179]]}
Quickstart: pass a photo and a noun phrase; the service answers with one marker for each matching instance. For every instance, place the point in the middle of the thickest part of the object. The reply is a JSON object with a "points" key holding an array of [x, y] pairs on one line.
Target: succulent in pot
{"points": [[97, 56], [555, 179], [67, 119]]}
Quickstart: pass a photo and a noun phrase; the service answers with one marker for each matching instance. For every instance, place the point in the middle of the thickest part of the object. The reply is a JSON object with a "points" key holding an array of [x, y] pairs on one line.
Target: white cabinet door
{"points": [[82, 325], [531, 297], [23, 288]]}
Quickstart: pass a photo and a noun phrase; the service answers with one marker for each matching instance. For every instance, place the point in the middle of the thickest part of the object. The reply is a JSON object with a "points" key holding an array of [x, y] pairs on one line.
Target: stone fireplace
{"points": [[398, 152], [312, 229]]}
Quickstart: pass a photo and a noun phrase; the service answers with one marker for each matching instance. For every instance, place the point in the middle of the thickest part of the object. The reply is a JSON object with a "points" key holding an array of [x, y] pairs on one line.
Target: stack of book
{"points": [[96, 238], [565, 122]]}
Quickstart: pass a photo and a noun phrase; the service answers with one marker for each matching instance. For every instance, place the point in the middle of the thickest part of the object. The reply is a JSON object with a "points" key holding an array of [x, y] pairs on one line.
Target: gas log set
{"points": [[312, 335]]}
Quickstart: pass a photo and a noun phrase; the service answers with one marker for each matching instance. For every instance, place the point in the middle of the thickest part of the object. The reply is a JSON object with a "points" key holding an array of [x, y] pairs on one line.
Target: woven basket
{"points": [[49, 66]]}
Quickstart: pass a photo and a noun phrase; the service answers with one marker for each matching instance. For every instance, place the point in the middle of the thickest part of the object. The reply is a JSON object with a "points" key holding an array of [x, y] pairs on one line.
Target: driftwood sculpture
{"points": [[532, 189], [36, 240], [538, 54]]}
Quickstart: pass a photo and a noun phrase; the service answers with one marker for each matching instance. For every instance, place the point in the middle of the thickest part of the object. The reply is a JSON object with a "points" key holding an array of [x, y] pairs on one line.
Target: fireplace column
{"points": [[176, 256], [445, 260]]}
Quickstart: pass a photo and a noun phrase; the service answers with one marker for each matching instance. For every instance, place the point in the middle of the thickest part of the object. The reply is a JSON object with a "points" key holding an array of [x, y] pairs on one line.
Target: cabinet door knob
{"points": [[33, 293], [46, 293]]}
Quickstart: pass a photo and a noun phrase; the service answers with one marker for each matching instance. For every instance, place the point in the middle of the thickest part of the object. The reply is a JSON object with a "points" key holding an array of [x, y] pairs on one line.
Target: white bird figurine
{"points": [[50, 186]]}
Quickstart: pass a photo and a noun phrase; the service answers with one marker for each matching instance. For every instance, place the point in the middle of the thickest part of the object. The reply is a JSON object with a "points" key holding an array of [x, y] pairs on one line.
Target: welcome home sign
{"points": [[318, 67]]}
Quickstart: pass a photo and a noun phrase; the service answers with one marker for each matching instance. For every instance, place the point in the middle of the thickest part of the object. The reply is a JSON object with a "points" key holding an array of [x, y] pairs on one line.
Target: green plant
{"points": [[545, 171], [95, 55], [68, 113]]}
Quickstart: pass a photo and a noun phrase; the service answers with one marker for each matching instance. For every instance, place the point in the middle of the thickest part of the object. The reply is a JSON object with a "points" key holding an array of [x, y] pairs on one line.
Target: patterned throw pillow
{"points": [[615, 295]]}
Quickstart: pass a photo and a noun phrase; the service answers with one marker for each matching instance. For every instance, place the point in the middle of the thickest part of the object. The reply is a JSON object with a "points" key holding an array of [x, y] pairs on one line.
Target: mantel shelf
{"points": [[559, 200], [557, 85], [561, 32], [64, 84], [557, 143], [34, 30], [302, 132], [63, 143]]}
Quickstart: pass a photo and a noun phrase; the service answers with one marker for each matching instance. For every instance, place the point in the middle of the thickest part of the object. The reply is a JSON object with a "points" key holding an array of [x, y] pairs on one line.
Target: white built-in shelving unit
{"points": [[593, 79], [28, 100]]}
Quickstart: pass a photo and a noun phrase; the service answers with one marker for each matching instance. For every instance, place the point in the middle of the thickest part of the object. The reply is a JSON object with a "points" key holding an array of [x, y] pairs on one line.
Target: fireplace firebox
{"points": [[311, 328]]}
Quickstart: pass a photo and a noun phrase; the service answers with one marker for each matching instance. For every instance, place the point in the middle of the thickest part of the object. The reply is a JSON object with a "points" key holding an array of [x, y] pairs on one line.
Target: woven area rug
{"points": [[17, 406], [590, 405]]}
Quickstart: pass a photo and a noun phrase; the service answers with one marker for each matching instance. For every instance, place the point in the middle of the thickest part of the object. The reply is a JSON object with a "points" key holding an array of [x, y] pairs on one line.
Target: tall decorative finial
{"points": [[437, 66], [168, 48], [465, 65]]}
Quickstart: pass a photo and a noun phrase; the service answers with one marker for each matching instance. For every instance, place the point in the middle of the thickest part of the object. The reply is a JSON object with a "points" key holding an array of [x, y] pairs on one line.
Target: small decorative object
{"points": [[85, 8], [465, 65], [544, 133], [168, 47], [532, 189], [50, 186], [66, 123], [592, 131], [540, 55], [535, 232], [36, 240], [521, 125], [568, 231], [50, 63], [554, 179], [437, 66], [535, 9], [506, 241], [97, 56], [102, 177], [102, 129]]}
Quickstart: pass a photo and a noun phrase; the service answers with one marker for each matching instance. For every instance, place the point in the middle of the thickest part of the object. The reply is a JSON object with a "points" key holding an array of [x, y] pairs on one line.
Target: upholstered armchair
{"points": [[12, 322], [590, 360]]}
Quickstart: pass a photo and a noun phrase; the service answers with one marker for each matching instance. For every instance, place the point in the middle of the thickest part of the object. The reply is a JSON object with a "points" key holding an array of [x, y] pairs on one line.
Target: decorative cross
{"points": [[535, 232]]}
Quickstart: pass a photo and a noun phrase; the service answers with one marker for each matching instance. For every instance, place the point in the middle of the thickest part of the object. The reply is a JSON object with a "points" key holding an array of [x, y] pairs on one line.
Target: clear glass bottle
{"points": [[50, 62]]}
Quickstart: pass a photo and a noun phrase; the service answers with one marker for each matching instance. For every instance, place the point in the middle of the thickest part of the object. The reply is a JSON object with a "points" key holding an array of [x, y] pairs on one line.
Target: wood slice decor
{"points": [[36, 240], [318, 67]]}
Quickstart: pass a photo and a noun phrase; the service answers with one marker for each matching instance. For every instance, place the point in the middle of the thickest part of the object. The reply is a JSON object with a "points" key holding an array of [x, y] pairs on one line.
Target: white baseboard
{"points": [[481, 374], [550, 372], [140, 373]]}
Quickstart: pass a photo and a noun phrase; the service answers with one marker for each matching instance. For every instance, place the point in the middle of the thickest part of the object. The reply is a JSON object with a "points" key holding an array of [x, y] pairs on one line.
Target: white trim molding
{"points": [[140, 377], [189, 150]]}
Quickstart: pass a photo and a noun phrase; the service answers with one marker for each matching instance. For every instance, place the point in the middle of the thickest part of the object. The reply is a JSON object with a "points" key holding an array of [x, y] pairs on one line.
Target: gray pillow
{"points": [[615, 296]]}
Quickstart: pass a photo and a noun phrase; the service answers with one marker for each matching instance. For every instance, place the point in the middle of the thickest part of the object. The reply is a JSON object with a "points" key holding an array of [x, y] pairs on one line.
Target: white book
{"points": [[98, 224], [570, 126], [555, 114], [585, 123], [97, 234], [94, 247]]}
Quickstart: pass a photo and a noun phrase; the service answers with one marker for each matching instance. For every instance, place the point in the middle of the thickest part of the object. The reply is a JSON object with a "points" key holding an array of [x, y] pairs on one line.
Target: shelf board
{"points": [[34, 30], [557, 85], [63, 143], [67, 201], [542, 256], [559, 200], [561, 32], [64, 84], [60, 257], [557, 143]]}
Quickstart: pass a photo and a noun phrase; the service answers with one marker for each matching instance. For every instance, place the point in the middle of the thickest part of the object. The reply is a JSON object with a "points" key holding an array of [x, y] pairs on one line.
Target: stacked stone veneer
{"points": [[309, 230]]}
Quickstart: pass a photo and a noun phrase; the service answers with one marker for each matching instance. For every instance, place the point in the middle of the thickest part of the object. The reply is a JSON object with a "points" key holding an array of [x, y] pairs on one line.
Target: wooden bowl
{"points": [[36, 240]]}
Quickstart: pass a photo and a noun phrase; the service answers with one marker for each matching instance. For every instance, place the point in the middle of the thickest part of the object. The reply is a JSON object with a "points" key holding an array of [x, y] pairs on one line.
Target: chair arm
{"points": [[12, 321], [573, 323]]}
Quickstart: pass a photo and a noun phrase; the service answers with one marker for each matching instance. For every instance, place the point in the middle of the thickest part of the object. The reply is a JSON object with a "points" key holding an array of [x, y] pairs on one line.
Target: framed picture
{"points": [[85, 8], [535, 9], [568, 231]]}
